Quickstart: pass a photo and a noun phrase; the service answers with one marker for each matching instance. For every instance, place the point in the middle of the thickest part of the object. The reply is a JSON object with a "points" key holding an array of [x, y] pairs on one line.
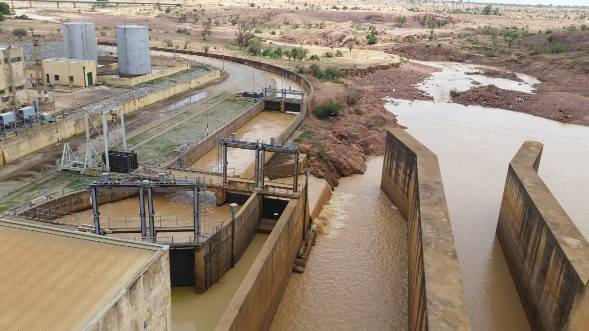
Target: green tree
{"points": [[4, 8], [510, 34]]}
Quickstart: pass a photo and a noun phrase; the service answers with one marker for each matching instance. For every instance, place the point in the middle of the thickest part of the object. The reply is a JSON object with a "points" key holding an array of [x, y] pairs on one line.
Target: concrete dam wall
{"points": [[254, 304], [547, 255], [411, 178]]}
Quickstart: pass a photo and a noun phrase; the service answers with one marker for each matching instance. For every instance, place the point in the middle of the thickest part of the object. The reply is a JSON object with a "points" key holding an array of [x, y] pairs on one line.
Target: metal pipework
{"points": [[151, 213]]}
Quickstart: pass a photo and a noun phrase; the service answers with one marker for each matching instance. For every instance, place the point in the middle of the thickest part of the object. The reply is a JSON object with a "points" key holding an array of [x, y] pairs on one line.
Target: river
{"points": [[474, 146], [356, 275]]}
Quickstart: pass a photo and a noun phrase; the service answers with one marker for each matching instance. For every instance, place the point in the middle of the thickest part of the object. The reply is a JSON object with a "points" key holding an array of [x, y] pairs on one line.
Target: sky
{"points": [[543, 2]]}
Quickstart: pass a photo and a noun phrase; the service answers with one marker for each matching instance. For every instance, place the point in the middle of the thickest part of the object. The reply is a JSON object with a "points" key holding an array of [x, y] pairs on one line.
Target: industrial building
{"points": [[12, 78], [70, 72], [134, 56], [53, 279], [80, 40]]}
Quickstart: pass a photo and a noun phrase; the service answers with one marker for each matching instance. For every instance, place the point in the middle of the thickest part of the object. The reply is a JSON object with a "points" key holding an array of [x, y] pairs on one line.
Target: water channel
{"points": [[474, 146], [356, 275]]}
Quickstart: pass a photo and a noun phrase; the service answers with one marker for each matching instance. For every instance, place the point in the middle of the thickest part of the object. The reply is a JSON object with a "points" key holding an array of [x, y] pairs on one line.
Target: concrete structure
{"points": [[547, 255], [133, 50], [411, 178], [53, 279], [80, 40], [167, 68], [12, 78], [30, 141], [254, 304], [69, 72]]}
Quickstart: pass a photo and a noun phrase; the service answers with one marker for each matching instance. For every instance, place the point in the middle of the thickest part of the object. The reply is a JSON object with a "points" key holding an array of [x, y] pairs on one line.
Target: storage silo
{"points": [[80, 40], [133, 50]]}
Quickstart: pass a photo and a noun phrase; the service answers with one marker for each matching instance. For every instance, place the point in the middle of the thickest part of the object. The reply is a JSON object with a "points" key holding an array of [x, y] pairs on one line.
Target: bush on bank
{"points": [[327, 109]]}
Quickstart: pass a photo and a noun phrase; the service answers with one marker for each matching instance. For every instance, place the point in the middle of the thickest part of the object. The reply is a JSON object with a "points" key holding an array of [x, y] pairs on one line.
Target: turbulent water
{"points": [[474, 146], [356, 276]]}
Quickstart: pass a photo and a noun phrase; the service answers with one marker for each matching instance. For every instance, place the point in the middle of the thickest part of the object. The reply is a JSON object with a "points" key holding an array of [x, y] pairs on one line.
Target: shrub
{"points": [[182, 31], [353, 97], [314, 57], [254, 46], [339, 53], [328, 54], [332, 73], [19, 32], [371, 39], [327, 109]]}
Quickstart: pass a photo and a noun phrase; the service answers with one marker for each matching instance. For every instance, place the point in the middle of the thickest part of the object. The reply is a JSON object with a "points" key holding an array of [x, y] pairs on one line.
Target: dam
{"points": [[236, 272]]}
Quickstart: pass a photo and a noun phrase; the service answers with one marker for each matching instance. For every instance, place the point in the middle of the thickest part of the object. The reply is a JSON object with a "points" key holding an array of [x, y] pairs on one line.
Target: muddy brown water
{"points": [[356, 276], [171, 209], [191, 311], [474, 146], [265, 125]]}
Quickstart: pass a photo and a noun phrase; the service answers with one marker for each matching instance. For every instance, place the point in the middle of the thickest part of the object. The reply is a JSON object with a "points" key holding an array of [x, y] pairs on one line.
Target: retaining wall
{"points": [[254, 304], [411, 178], [547, 255], [213, 258], [194, 153], [75, 202], [132, 81], [32, 140], [144, 304]]}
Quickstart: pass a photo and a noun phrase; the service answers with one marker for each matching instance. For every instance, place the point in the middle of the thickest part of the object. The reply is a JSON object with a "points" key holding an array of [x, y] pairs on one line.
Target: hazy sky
{"points": [[543, 2]]}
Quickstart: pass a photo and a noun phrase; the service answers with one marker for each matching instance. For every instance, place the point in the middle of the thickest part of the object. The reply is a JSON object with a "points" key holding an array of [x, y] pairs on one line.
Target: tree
{"points": [[244, 33], [350, 44], [487, 10], [207, 29], [510, 34], [4, 8], [254, 46], [371, 39], [205, 48]]}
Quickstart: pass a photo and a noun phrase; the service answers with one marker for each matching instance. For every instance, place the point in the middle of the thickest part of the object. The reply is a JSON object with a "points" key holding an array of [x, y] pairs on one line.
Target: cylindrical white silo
{"points": [[133, 50], [80, 40]]}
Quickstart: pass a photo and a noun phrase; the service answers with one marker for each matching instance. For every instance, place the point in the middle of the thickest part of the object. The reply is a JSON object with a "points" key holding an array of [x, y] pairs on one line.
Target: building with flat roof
{"points": [[69, 72], [13, 92], [54, 279]]}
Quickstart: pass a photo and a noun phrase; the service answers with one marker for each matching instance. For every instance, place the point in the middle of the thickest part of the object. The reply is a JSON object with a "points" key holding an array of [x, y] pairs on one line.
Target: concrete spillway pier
{"points": [[412, 180], [548, 256]]}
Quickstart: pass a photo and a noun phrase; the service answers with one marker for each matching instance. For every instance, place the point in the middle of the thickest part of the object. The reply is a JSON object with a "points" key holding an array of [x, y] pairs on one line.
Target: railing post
{"points": [[95, 211], [141, 212], [295, 182], [151, 213], [196, 210]]}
